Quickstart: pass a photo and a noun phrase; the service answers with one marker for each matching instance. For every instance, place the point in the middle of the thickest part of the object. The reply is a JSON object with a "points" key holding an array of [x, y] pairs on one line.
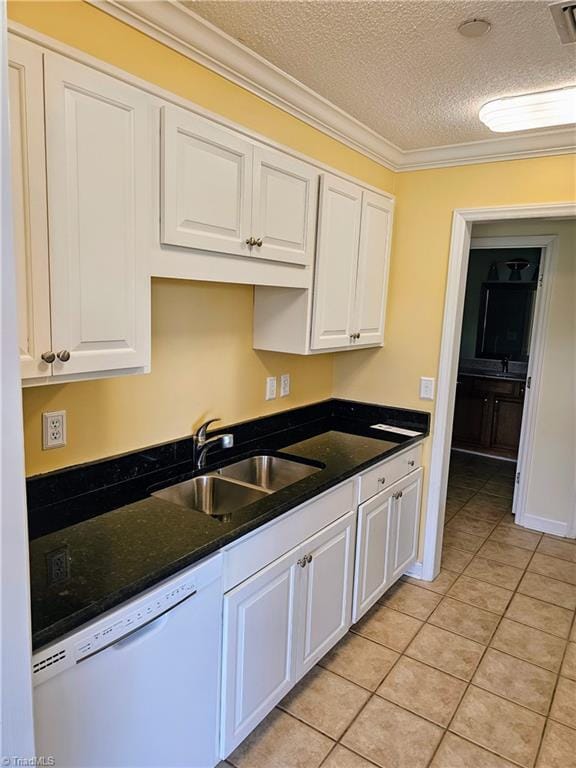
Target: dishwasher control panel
{"points": [[111, 628], [111, 632]]}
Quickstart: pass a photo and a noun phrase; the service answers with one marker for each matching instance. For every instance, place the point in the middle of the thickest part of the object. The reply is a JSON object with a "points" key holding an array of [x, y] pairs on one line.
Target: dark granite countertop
{"points": [[117, 540], [493, 375]]}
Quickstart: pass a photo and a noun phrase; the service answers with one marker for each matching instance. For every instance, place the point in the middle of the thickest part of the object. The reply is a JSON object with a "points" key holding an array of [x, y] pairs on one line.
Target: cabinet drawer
{"points": [[247, 556], [493, 385], [388, 472]]}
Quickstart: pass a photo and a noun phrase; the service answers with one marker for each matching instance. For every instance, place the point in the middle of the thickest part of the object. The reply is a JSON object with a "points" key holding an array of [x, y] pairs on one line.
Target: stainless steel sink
{"points": [[269, 472], [212, 494]]}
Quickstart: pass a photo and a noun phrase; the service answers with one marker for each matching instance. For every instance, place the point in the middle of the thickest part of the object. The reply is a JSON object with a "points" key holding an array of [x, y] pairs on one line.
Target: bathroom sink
{"points": [[211, 494], [269, 472]]}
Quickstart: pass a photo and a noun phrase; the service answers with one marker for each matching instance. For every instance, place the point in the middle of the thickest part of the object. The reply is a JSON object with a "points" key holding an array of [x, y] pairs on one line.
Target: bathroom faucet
{"points": [[202, 443], [504, 362]]}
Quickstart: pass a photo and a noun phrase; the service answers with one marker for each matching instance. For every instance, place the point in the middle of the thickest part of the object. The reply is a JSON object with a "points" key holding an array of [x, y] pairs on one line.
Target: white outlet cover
{"points": [[271, 388], [284, 385], [427, 388], [53, 429]]}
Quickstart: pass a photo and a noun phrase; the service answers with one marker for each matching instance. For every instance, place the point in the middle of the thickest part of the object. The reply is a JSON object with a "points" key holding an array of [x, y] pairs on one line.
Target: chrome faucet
{"points": [[202, 443], [504, 362]]}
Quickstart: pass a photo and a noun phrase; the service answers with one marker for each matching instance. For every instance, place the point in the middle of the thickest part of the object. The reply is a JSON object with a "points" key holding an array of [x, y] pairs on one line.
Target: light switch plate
{"points": [[427, 388], [53, 429], [284, 385], [271, 388]]}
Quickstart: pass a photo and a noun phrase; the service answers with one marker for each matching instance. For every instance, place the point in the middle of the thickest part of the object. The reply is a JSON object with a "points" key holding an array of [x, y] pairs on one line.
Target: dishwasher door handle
{"points": [[139, 631]]}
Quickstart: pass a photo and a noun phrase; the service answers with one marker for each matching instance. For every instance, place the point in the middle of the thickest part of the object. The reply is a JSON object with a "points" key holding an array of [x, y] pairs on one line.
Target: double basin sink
{"points": [[224, 491]]}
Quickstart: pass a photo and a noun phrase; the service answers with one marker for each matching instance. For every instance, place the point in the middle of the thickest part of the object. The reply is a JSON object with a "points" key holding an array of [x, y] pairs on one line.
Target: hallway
{"points": [[473, 670]]}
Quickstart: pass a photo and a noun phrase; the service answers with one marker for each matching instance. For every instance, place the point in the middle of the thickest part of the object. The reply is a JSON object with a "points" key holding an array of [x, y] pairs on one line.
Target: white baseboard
{"points": [[544, 525], [415, 571]]}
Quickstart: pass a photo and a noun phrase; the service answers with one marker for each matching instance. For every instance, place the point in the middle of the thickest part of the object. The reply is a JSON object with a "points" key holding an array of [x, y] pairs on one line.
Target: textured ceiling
{"points": [[400, 66]]}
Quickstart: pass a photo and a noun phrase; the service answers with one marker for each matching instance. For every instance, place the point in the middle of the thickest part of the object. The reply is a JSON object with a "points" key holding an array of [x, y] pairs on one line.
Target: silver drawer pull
{"points": [[411, 463], [309, 559], [382, 480], [302, 562]]}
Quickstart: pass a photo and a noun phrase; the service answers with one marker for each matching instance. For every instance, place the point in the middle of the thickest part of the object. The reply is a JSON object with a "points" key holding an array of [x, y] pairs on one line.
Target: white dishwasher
{"points": [[138, 687]]}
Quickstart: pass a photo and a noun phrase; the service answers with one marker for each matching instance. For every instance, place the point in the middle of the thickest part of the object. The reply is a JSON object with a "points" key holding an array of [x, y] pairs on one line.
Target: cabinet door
{"points": [[206, 184], [405, 524], [28, 172], [258, 656], [336, 263], [373, 267], [284, 207], [507, 425], [470, 417], [372, 552], [99, 161], [325, 611]]}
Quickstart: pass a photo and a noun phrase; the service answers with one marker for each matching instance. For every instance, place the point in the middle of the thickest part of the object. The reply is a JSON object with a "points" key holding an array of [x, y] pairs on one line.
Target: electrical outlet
{"points": [[284, 385], [426, 388], [53, 429], [58, 565], [271, 388]]}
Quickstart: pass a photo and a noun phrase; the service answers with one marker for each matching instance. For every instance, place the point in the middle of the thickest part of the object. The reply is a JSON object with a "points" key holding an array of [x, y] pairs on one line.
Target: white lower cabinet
{"points": [[404, 524], [325, 607], [279, 622], [387, 545]]}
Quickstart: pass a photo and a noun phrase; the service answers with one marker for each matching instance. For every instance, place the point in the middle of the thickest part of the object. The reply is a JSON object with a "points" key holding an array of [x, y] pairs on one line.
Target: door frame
{"points": [[16, 718], [548, 245], [462, 221]]}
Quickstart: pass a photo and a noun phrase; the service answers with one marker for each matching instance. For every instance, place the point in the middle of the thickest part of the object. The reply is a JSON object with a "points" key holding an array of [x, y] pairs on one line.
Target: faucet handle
{"points": [[201, 431]]}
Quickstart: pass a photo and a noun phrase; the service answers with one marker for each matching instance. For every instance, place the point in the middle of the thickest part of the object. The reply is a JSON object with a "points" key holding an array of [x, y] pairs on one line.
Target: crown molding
{"points": [[176, 26]]}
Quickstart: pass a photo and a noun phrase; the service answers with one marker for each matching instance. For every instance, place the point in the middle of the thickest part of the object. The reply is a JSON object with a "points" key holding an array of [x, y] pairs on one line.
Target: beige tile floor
{"points": [[474, 670]]}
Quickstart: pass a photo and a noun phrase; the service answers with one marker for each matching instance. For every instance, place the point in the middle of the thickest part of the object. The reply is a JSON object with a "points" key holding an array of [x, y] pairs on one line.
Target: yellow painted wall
{"points": [[425, 201], [203, 363]]}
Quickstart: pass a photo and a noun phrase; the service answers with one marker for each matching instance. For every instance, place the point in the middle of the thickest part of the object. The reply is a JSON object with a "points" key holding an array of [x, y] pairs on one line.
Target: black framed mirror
{"points": [[505, 320]]}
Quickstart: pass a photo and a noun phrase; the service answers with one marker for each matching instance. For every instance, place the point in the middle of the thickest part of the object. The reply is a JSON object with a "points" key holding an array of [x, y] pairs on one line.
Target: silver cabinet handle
{"points": [[48, 357], [411, 463], [358, 335], [302, 562], [398, 495], [309, 558], [258, 242], [250, 241], [63, 355], [382, 480]]}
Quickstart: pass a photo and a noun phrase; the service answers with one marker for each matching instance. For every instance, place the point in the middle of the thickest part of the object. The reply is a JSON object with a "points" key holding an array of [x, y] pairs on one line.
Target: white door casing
{"points": [[98, 166], [29, 212]]}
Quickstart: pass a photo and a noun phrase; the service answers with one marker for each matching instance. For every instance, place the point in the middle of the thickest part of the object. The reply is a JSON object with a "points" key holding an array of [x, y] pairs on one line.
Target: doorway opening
{"points": [[471, 230]]}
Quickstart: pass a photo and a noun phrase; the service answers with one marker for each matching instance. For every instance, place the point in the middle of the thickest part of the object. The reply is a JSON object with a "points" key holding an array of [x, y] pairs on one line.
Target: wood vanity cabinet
{"points": [[488, 415]]}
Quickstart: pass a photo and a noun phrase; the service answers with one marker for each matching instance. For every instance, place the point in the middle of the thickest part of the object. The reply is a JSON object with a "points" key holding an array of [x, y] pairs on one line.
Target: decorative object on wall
{"points": [[493, 275], [516, 266]]}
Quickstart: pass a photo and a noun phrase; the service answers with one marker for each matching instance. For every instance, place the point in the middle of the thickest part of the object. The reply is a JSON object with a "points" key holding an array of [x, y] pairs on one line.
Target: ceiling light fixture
{"points": [[474, 27], [532, 110]]}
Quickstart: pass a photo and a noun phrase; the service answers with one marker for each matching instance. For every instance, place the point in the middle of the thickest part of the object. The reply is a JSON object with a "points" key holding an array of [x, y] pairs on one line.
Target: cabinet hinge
{"points": [[528, 382], [517, 478], [540, 281]]}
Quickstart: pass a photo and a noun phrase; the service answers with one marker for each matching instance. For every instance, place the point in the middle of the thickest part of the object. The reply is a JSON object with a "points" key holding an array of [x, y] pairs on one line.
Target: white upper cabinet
{"points": [[284, 207], [346, 308], [336, 262], [206, 184], [28, 171], [373, 267], [222, 193], [98, 164]]}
